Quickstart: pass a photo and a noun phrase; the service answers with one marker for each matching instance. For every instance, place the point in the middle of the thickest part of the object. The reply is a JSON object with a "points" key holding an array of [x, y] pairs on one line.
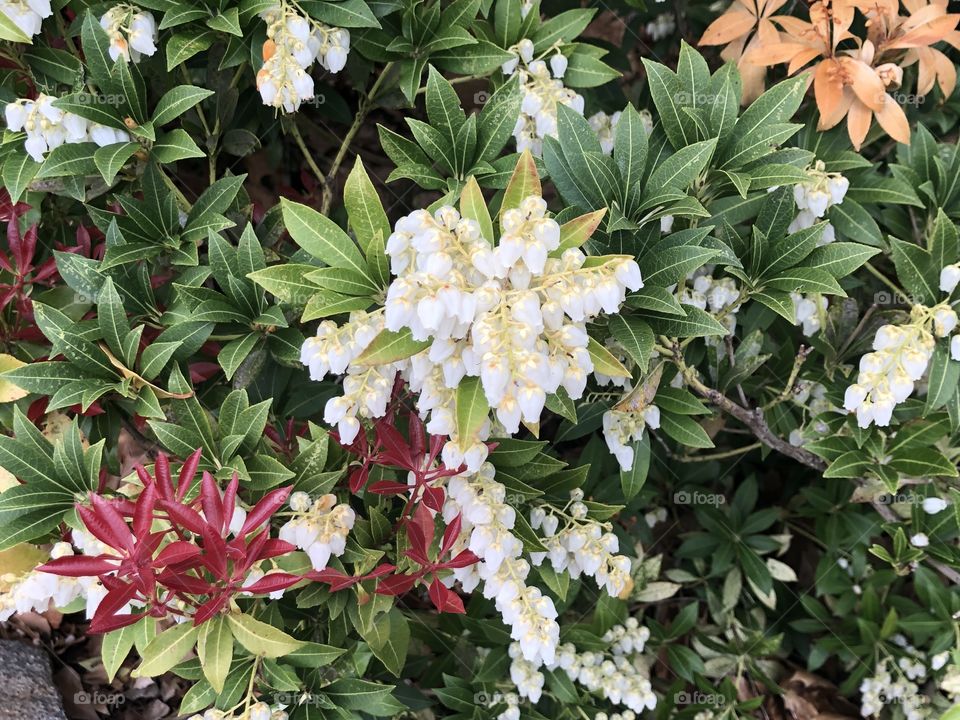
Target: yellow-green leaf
{"points": [[604, 362], [390, 346], [524, 182], [167, 649], [474, 207], [472, 408], [260, 638], [215, 650]]}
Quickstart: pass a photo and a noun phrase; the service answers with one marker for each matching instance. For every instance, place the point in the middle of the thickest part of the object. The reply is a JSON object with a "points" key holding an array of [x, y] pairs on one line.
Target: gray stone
{"points": [[26, 684]]}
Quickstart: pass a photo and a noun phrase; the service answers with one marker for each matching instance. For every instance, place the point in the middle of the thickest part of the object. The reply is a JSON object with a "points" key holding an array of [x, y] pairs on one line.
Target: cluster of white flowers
{"points": [[543, 90], [622, 427], [808, 312], [619, 675], [48, 127], [366, 388], [719, 296], [581, 546], [900, 358], [39, 591], [661, 26], [816, 195], [812, 396], [132, 32], [293, 43], [883, 688], [257, 711], [27, 15], [319, 527], [604, 126], [487, 530]]}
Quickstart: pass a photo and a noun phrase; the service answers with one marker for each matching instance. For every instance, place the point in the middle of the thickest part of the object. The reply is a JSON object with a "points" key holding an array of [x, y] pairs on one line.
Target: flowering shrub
{"points": [[483, 359]]}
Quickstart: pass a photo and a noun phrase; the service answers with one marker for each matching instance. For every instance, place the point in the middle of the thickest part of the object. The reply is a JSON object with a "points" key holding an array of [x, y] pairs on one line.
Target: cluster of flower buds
{"points": [[27, 15], [617, 675], [581, 546], [132, 32], [543, 90], [48, 127], [900, 358], [293, 43], [816, 195], [604, 126], [487, 530], [319, 527]]}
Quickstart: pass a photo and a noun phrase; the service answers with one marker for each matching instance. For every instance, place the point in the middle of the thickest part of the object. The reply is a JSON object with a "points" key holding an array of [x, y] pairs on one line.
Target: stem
{"points": [[898, 291], [366, 103], [719, 455], [794, 373], [298, 138]]}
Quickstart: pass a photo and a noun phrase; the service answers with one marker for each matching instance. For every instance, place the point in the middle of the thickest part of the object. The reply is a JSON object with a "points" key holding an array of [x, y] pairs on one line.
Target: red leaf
{"points": [[211, 502], [143, 512], [161, 468], [272, 582], [462, 560], [230, 500], [444, 599], [101, 529], [263, 510], [187, 473], [274, 547], [80, 566], [358, 478], [177, 552], [210, 608], [396, 584], [106, 623], [386, 487], [185, 516], [451, 534]]}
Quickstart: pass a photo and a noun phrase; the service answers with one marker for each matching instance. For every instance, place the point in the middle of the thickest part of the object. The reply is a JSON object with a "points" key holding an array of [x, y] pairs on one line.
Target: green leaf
{"points": [[633, 480], [943, 379], [364, 207], [915, 270], [839, 259], [389, 638], [472, 408], [685, 430], [175, 145], [474, 207], [389, 347], [524, 182], [215, 650], [232, 355], [115, 648], [167, 649], [697, 323], [260, 638], [635, 336], [187, 43], [683, 167], [287, 281], [321, 237], [110, 158], [18, 170], [177, 101], [9, 30], [604, 361], [586, 71]]}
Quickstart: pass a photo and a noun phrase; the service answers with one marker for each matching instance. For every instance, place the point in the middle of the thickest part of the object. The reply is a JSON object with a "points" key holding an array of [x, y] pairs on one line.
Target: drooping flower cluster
{"points": [[293, 43], [622, 426], [813, 397], [48, 127], [132, 32], [604, 126], [808, 311], [319, 527], [543, 90], [509, 314], [487, 530], [27, 15], [719, 296], [618, 675], [816, 195], [38, 591], [581, 546], [366, 389], [900, 358]]}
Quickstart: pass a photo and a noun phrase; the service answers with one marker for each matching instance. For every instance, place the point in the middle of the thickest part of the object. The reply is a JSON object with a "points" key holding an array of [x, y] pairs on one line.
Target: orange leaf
{"points": [[894, 121], [858, 123], [728, 27], [865, 83]]}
